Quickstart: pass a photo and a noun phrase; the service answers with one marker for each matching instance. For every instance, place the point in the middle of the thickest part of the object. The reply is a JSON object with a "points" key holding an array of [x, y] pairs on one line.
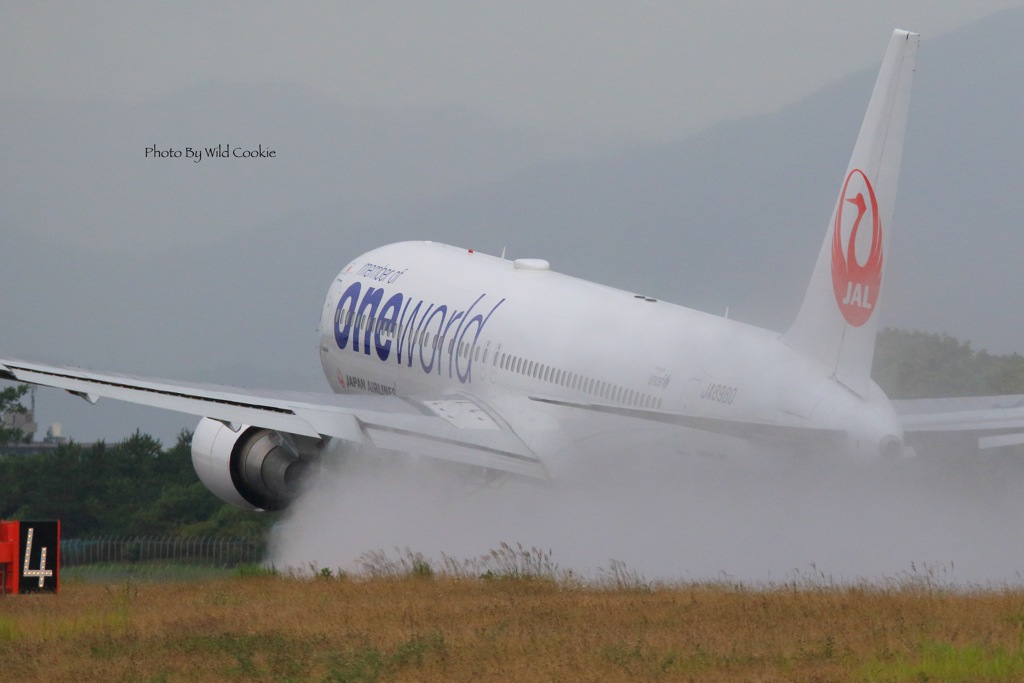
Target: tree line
{"points": [[135, 487], [914, 364]]}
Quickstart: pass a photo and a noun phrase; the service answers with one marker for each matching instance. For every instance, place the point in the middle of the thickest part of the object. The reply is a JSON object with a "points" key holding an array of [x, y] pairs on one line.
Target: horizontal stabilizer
{"points": [[983, 421]]}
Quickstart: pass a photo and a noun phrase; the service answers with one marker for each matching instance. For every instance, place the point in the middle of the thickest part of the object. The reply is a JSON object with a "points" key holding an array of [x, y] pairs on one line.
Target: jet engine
{"points": [[251, 467]]}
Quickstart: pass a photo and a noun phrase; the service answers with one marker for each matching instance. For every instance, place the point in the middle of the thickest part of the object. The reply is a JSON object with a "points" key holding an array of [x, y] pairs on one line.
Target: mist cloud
{"points": [[673, 519]]}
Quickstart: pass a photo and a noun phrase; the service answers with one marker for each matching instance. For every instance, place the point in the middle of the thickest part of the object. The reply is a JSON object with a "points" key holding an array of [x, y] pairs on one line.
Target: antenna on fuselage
{"points": [[503, 253]]}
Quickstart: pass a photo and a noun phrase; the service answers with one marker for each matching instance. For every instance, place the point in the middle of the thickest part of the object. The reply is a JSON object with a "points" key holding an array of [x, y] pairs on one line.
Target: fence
{"points": [[206, 551]]}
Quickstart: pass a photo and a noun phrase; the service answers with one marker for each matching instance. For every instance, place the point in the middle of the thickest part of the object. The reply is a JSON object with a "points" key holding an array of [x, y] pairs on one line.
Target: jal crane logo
{"points": [[856, 252]]}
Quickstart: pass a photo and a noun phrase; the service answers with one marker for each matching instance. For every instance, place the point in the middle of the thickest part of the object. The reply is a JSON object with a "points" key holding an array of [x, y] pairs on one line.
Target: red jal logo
{"points": [[856, 284]]}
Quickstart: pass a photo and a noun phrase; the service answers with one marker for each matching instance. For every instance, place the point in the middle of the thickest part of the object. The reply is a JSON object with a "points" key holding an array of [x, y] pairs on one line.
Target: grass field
{"points": [[405, 619]]}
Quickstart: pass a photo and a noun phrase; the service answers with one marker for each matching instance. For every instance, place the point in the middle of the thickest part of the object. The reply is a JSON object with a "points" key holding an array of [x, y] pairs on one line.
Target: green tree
{"points": [[134, 487], [10, 402], [914, 364]]}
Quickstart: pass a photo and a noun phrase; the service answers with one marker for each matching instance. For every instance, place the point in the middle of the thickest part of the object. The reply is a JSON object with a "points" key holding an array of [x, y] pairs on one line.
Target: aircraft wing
{"points": [[984, 421], [457, 429]]}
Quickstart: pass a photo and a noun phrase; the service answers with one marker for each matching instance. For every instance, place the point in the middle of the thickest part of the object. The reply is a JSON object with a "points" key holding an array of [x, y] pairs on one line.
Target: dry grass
{"points": [[417, 625]]}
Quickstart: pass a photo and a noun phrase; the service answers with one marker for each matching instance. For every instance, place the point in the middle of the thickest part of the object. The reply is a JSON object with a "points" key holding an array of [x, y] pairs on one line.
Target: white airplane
{"points": [[451, 354]]}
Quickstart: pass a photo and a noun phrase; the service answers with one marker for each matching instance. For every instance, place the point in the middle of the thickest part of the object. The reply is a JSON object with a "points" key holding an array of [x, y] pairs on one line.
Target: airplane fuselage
{"points": [[428, 319]]}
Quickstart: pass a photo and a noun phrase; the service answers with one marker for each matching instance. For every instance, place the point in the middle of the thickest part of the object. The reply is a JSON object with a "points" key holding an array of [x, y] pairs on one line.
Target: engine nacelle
{"points": [[253, 468]]}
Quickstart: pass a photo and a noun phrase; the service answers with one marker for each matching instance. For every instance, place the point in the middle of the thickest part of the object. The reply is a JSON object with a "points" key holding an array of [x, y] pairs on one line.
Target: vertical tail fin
{"points": [[838, 320]]}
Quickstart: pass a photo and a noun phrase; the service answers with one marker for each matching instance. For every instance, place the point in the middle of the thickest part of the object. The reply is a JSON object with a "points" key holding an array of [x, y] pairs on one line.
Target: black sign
{"points": [[38, 557]]}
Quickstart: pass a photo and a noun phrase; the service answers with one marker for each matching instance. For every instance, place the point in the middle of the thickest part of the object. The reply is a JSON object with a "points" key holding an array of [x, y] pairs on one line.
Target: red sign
{"points": [[856, 262], [29, 557]]}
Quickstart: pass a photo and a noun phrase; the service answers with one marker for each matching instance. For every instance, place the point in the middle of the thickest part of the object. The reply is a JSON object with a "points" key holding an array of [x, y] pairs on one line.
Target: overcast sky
{"points": [[611, 71]]}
